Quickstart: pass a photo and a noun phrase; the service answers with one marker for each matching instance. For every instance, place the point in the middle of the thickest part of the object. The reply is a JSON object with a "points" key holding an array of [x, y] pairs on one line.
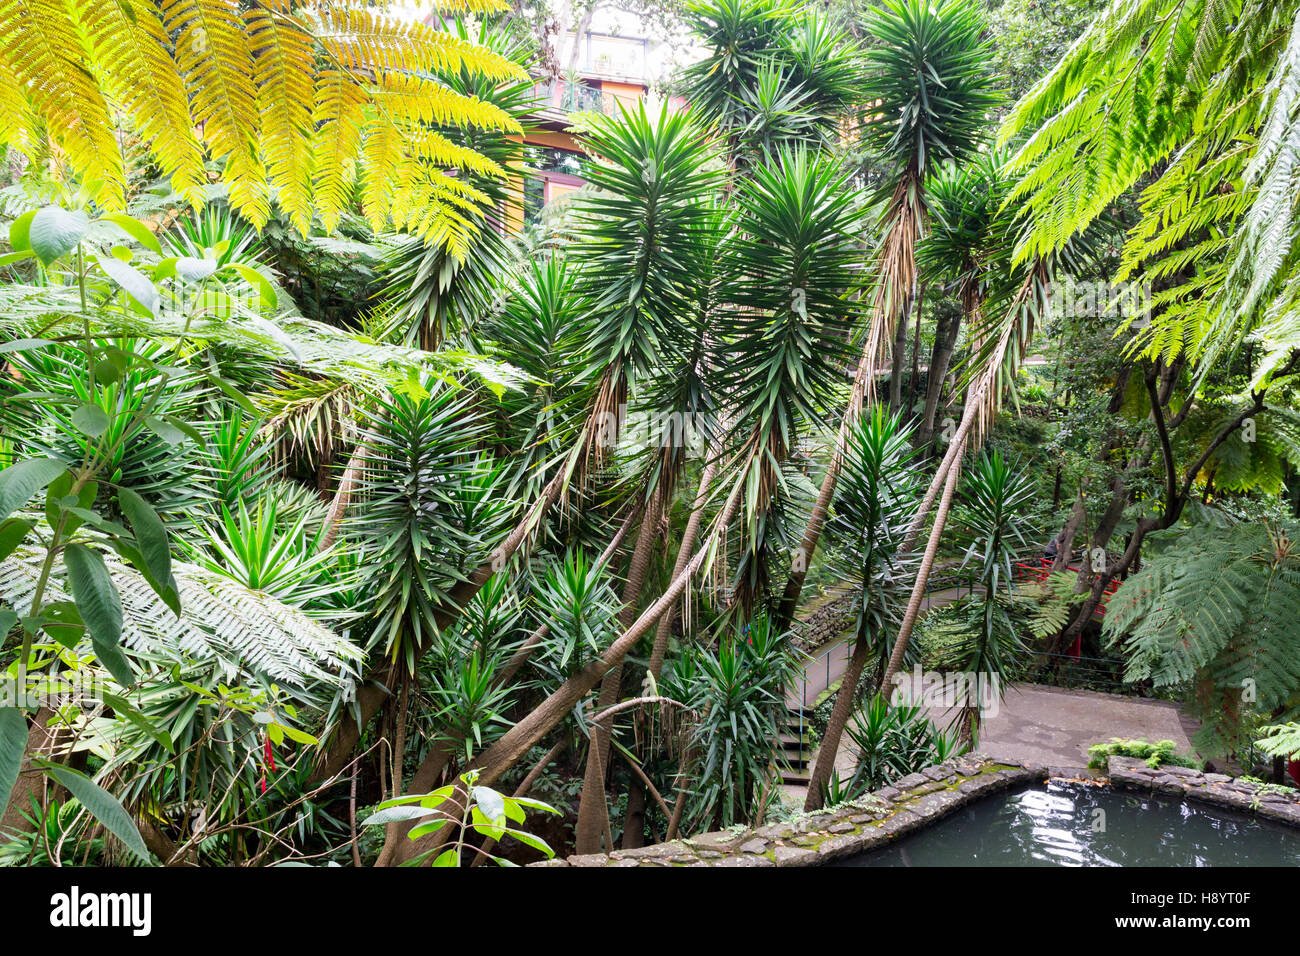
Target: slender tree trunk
{"points": [[899, 359], [593, 809], [922, 576], [505, 752], [1065, 538], [844, 699], [663, 630], [914, 383], [30, 784], [947, 325], [348, 484]]}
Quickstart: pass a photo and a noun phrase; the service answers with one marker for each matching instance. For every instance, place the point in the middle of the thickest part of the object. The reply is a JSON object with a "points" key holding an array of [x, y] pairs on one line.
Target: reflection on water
{"points": [[1076, 825]]}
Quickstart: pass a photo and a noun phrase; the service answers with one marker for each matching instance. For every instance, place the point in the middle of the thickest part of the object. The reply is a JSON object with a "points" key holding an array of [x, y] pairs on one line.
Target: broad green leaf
{"points": [[55, 232], [19, 482], [135, 282], [21, 345], [20, 232], [150, 534], [424, 829], [13, 743], [111, 656], [164, 430], [447, 858], [90, 420], [537, 843], [107, 372], [195, 270], [490, 802], [135, 229], [12, 534], [95, 594], [300, 736], [257, 281], [101, 804], [392, 814]]}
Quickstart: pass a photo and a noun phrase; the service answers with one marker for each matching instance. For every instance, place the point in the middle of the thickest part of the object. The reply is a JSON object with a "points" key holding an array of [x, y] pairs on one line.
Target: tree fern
{"points": [[1216, 611], [244, 631], [286, 94]]}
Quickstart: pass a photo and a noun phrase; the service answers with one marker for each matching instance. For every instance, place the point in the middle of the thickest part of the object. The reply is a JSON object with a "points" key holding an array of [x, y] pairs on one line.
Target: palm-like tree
{"points": [[774, 75], [969, 246], [993, 520], [878, 493], [930, 93], [790, 272]]}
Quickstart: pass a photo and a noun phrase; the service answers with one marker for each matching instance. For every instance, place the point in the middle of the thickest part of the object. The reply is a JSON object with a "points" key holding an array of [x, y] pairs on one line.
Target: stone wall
{"points": [[920, 799], [865, 824], [1274, 803], [827, 621]]}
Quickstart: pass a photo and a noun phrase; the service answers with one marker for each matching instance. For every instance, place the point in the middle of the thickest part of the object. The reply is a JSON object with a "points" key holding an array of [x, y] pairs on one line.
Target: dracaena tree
{"points": [[929, 93], [878, 494], [774, 75]]}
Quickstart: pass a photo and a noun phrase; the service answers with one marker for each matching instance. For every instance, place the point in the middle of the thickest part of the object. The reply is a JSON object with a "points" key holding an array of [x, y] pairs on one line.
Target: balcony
{"points": [[565, 96]]}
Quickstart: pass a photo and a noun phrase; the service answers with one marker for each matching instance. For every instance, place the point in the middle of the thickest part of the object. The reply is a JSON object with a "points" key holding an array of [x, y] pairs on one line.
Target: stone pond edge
{"points": [[922, 798]]}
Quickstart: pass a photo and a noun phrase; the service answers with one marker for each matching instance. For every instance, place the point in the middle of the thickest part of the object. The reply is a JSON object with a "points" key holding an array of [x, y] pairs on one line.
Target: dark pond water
{"points": [[1076, 825]]}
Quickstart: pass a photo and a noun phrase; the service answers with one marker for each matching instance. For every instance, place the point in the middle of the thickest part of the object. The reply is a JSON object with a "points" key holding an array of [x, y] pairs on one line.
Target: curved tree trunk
{"points": [[343, 497], [830, 745], [664, 629], [633, 828], [945, 341], [505, 752], [923, 573], [593, 811]]}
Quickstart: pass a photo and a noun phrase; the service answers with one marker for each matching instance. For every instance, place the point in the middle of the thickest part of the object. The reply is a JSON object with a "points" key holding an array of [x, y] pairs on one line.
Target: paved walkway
{"points": [[1053, 726], [1033, 723], [828, 663]]}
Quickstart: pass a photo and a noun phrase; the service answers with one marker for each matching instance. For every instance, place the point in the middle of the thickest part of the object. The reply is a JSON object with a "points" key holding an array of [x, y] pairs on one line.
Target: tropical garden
{"points": [[348, 519]]}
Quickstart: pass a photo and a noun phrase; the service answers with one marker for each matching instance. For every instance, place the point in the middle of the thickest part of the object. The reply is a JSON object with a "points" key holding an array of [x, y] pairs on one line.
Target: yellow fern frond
{"points": [[371, 40], [472, 6], [283, 72], [17, 124], [415, 99], [338, 114], [433, 147], [134, 66], [212, 52], [41, 47], [383, 152]]}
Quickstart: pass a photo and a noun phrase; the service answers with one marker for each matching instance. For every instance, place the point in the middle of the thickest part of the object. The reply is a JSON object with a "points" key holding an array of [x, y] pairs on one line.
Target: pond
{"points": [[1069, 824]]}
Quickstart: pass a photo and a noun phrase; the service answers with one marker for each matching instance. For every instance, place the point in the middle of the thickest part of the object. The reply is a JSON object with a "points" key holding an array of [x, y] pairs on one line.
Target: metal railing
{"points": [[572, 97]]}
